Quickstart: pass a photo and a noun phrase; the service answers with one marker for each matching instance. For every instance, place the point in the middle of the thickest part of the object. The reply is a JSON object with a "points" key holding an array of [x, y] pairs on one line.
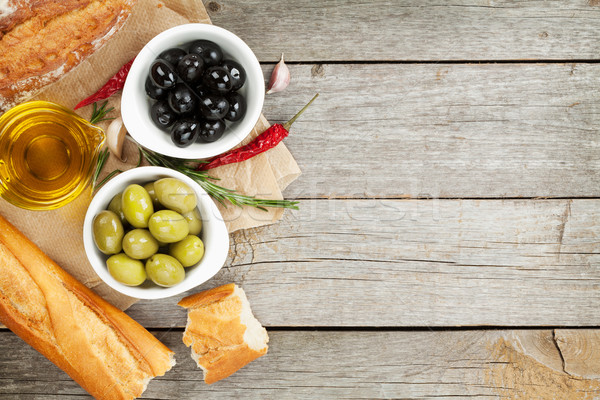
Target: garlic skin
{"points": [[115, 136], [280, 78]]}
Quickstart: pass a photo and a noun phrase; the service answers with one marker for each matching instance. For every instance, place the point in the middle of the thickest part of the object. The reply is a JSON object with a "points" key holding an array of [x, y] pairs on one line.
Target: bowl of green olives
{"points": [[193, 92], [152, 232]]}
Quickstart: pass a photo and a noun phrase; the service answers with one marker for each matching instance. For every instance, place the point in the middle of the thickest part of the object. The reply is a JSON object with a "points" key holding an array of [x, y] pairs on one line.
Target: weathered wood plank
{"points": [[416, 263], [412, 29], [450, 131], [580, 351], [357, 365]]}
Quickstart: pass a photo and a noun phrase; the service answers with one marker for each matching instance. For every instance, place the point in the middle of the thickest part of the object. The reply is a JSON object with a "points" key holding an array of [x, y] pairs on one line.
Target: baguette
{"points": [[222, 332], [99, 346], [42, 40]]}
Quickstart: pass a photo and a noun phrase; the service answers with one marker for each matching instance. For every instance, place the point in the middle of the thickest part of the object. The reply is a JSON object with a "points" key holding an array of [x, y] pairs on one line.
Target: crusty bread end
{"points": [[42, 40], [99, 346]]}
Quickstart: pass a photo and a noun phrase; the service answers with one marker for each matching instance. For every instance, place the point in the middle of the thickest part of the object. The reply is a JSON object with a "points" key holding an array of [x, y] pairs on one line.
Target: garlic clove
{"points": [[280, 78], [115, 137]]}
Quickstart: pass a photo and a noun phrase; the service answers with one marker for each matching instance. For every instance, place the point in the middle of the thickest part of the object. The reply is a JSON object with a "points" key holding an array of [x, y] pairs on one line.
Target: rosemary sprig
{"points": [[101, 160], [219, 193], [102, 157], [99, 114]]}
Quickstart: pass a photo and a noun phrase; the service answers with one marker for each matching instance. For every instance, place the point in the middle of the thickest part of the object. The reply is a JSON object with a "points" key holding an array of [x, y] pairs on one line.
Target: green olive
{"points": [[164, 270], [115, 206], [126, 270], [108, 232], [188, 251], [139, 244], [194, 221], [175, 195], [168, 226], [150, 189], [137, 206]]}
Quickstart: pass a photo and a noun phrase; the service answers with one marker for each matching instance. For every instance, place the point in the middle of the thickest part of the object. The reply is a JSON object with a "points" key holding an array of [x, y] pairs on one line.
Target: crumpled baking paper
{"points": [[59, 233]]}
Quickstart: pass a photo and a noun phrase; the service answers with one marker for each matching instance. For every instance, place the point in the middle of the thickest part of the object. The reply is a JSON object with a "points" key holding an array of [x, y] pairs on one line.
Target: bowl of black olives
{"points": [[193, 92], [152, 232]]}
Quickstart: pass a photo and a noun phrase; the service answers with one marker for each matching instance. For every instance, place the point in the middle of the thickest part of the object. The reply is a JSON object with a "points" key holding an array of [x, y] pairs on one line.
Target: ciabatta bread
{"points": [[222, 332], [42, 40], [100, 347]]}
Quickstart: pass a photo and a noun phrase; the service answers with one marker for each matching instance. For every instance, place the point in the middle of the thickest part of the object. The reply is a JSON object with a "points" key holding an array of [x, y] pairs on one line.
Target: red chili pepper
{"points": [[113, 85], [263, 142]]}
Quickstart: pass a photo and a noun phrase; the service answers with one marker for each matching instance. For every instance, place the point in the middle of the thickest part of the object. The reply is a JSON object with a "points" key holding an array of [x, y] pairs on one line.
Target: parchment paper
{"points": [[59, 233]]}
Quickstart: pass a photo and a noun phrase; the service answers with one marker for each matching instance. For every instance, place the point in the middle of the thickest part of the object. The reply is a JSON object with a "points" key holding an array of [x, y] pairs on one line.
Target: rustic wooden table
{"points": [[448, 240]]}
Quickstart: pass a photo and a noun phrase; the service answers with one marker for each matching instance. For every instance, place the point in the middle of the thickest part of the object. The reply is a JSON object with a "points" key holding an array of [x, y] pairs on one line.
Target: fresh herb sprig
{"points": [[99, 113], [104, 154], [102, 157], [219, 193]]}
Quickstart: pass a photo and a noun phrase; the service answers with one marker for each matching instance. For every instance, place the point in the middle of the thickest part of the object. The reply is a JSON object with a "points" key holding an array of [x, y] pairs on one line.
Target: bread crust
{"points": [[216, 334], [42, 40], [19, 11], [207, 297], [100, 347]]}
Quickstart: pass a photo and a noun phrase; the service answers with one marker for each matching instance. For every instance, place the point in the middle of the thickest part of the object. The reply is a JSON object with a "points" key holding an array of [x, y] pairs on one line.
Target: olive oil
{"points": [[47, 155]]}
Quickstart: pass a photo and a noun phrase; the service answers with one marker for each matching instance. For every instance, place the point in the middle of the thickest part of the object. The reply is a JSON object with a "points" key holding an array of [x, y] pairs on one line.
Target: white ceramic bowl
{"points": [[214, 235], [135, 105]]}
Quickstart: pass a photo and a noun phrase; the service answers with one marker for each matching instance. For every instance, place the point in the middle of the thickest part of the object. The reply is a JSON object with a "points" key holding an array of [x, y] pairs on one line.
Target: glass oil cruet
{"points": [[47, 155]]}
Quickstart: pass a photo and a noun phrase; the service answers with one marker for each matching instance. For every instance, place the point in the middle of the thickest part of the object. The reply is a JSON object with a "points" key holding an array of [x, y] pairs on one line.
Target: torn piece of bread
{"points": [[223, 333], [99, 346]]}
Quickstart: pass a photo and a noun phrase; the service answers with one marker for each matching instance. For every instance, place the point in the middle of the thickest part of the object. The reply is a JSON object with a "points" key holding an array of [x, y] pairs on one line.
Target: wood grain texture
{"points": [[356, 255], [450, 131], [333, 365], [415, 263], [580, 350], [390, 30]]}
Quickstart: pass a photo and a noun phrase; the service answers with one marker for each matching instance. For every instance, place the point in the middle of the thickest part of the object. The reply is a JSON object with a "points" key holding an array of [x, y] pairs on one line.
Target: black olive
{"points": [[190, 68], [162, 115], [181, 99], [237, 106], [185, 132], [237, 72], [217, 79], [162, 74], [213, 106], [211, 131], [172, 55], [210, 52], [154, 92]]}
